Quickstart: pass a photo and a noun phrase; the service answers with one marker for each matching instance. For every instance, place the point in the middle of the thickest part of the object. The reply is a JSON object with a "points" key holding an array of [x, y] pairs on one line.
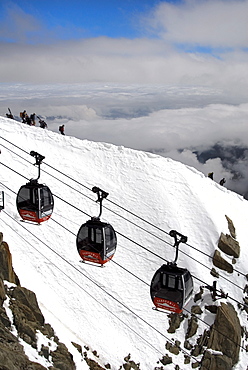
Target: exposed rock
{"points": [[4, 318], [225, 337], [62, 358], [93, 365], [44, 351], [229, 245], [12, 356], [175, 320], [214, 273], [196, 350], [231, 227], [220, 262], [215, 362], [131, 365], [7, 272], [198, 296], [196, 310], [187, 345], [192, 327], [211, 308], [28, 299], [186, 359], [166, 360], [175, 349], [195, 365], [2, 293], [79, 348]]}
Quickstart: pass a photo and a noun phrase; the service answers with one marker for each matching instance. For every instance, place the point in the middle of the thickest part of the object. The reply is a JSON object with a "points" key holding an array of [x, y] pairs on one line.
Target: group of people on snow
{"points": [[30, 120]]}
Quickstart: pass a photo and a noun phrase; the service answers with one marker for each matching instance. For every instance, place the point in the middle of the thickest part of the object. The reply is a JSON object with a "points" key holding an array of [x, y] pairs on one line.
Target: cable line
{"points": [[146, 250], [111, 294], [100, 287], [123, 208], [141, 246]]}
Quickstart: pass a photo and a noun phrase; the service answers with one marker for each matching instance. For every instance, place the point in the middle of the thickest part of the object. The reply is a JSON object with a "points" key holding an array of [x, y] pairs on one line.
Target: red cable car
{"points": [[35, 201], [96, 240], [172, 286]]}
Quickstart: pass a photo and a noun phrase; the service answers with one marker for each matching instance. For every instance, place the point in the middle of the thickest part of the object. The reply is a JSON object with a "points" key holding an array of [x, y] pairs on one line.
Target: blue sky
{"points": [[203, 42], [81, 18]]}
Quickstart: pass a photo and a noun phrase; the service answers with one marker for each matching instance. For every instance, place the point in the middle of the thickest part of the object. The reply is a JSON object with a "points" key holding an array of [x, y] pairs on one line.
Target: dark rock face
{"points": [[231, 227], [7, 271], [175, 320], [220, 262], [229, 245], [26, 298], [226, 332], [216, 362], [192, 327], [225, 337]]}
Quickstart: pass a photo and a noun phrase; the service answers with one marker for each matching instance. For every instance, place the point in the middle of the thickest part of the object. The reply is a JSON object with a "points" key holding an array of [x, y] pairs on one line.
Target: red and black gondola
{"points": [[96, 240], [172, 286], [35, 201]]}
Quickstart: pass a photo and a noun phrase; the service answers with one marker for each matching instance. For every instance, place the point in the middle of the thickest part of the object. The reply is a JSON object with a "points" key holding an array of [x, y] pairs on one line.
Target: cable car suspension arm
{"points": [[179, 238], [38, 159], [101, 194]]}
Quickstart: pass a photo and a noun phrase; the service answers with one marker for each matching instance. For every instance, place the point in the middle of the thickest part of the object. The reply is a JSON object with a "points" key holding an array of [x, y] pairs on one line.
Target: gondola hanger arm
{"points": [[38, 159], [101, 194], [178, 238]]}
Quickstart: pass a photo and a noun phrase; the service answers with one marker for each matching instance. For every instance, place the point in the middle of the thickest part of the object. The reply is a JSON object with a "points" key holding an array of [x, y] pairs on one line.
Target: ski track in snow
{"points": [[77, 298]]}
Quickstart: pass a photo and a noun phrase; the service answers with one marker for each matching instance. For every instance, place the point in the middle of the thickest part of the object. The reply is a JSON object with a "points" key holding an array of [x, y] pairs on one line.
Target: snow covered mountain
{"points": [[109, 309]]}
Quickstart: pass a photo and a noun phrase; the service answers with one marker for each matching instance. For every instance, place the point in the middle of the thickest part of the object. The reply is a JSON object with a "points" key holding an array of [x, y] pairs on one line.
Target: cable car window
{"points": [[164, 283], [42, 200], [23, 196], [180, 283], [171, 281], [83, 234], [156, 280], [188, 284], [98, 236], [46, 198], [110, 238]]}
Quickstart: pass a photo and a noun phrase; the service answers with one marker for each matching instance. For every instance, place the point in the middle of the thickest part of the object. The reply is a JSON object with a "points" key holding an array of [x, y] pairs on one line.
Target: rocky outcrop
{"points": [[229, 245], [7, 272], [231, 227], [221, 263], [225, 339]]}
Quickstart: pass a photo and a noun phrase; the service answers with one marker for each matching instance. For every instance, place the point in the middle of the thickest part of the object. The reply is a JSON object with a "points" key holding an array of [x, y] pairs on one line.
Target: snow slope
{"points": [[109, 309]]}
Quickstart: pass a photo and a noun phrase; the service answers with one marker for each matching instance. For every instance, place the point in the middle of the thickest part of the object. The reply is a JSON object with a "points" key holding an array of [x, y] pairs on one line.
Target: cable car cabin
{"points": [[35, 202], [96, 241], [1, 200], [171, 288]]}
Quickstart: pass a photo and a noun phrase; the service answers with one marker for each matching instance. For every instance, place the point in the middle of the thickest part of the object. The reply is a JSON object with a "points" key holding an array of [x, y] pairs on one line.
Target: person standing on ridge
{"points": [[23, 116], [211, 175], [62, 129], [222, 181], [32, 117]]}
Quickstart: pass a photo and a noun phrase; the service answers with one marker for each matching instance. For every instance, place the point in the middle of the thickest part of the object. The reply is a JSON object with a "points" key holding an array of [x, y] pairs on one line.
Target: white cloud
{"points": [[214, 23], [135, 61]]}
